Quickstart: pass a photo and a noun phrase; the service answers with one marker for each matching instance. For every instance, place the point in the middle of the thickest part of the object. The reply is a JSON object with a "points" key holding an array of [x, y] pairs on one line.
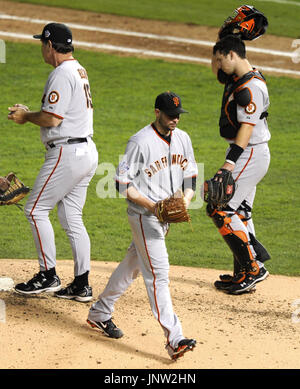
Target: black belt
{"points": [[70, 141]]}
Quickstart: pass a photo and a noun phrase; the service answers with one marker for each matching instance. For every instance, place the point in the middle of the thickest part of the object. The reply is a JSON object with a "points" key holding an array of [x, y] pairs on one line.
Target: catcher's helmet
{"points": [[246, 22]]}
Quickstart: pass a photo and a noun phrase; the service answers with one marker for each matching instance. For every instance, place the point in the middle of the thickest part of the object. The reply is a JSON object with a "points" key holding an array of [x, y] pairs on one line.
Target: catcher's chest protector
{"points": [[232, 96]]}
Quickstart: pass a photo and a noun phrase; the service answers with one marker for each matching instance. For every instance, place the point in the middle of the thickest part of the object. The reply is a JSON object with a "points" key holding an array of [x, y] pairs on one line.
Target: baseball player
{"points": [[158, 160], [243, 123], [66, 129]]}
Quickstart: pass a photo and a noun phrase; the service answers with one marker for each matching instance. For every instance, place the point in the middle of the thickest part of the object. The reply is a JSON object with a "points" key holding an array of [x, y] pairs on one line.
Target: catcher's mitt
{"points": [[172, 209], [246, 22], [12, 190], [219, 190]]}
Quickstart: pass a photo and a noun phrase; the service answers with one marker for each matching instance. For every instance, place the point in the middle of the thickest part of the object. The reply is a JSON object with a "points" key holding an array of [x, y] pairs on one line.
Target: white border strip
{"points": [[147, 52], [143, 35], [281, 2]]}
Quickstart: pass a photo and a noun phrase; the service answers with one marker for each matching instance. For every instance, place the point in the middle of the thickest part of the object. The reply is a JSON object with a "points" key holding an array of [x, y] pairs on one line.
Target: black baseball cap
{"points": [[56, 33], [169, 103]]}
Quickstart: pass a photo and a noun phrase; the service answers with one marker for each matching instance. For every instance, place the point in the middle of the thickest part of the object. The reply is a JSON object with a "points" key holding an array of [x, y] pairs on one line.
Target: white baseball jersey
{"points": [[252, 112], [67, 96], [68, 167], [155, 167]]}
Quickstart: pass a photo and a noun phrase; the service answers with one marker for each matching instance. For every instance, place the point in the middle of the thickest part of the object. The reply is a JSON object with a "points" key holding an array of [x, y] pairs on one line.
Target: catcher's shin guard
{"points": [[244, 213], [237, 242], [262, 254]]}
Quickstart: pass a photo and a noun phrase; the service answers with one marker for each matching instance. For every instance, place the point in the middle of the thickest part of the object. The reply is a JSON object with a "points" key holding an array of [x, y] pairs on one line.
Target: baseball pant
{"points": [[63, 181], [147, 254], [249, 170]]}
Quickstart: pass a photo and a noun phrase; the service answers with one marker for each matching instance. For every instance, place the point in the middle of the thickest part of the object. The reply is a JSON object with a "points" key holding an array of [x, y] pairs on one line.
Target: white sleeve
{"points": [[57, 95], [191, 170], [130, 165]]}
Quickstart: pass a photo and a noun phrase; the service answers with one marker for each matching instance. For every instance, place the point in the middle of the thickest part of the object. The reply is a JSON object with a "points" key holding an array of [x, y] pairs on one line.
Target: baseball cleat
{"points": [[107, 327], [244, 286], [262, 275], [183, 346], [226, 277], [73, 292], [38, 284], [222, 285]]}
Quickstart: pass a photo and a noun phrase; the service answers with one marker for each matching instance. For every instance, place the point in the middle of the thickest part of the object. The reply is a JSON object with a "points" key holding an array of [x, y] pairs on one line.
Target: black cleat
{"points": [[183, 346], [73, 292], [107, 327], [262, 275], [38, 284]]}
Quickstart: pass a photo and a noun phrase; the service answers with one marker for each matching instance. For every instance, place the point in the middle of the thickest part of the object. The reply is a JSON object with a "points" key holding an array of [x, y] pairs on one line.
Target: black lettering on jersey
{"points": [[177, 159], [158, 166], [147, 171], [43, 98], [153, 169], [164, 161], [184, 164]]}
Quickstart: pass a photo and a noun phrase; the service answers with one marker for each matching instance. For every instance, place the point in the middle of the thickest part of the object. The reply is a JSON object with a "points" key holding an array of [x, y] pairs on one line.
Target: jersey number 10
{"points": [[88, 96]]}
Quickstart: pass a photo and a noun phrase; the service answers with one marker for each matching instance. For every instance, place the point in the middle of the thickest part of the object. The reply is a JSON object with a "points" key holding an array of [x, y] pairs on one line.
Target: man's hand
{"points": [[228, 166], [18, 113]]}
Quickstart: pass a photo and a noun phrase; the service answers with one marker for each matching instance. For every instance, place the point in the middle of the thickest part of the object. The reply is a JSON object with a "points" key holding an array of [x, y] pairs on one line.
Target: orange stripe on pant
{"points": [[35, 203], [154, 278], [251, 153]]}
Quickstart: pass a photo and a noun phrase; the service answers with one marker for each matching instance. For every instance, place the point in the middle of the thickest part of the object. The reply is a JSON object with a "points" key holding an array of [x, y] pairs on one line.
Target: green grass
{"points": [[123, 91], [283, 18]]}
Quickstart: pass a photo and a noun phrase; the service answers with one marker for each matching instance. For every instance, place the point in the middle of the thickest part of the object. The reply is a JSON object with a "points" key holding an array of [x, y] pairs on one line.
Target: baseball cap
{"points": [[169, 103], [56, 33]]}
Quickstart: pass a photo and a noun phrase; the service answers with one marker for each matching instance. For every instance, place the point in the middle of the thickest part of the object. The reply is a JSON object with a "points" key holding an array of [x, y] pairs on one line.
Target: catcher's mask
{"points": [[247, 22]]}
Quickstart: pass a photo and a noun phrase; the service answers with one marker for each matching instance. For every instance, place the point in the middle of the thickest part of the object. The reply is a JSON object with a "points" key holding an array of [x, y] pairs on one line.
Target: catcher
{"points": [[158, 163], [243, 123], [12, 190]]}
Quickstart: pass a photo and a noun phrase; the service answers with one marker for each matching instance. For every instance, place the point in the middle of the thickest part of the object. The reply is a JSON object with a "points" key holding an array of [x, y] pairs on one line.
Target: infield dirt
{"points": [[45, 332]]}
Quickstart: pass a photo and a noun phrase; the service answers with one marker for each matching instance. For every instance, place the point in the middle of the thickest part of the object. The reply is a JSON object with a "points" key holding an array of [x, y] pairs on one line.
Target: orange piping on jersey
{"points": [[245, 164], [36, 201], [250, 124], [157, 133], [154, 279], [54, 114]]}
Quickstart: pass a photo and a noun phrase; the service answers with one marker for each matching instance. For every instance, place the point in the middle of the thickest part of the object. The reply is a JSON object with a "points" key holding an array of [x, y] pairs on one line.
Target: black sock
{"points": [[82, 280], [49, 273]]}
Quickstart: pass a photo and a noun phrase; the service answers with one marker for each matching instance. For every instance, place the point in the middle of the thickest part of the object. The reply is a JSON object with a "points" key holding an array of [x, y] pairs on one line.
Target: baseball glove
{"points": [[219, 190], [172, 209], [247, 22], [12, 190]]}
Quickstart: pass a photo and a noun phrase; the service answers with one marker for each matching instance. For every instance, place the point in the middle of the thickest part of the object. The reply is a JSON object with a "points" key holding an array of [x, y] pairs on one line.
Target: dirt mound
{"points": [[45, 332]]}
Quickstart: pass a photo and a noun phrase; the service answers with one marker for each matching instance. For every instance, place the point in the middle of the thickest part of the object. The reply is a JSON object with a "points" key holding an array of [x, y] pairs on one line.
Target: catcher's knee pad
{"points": [[237, 242]]}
